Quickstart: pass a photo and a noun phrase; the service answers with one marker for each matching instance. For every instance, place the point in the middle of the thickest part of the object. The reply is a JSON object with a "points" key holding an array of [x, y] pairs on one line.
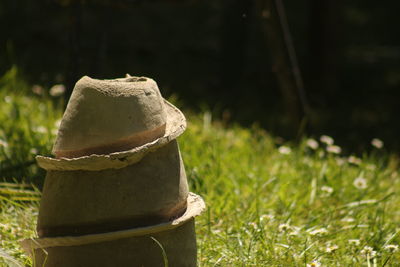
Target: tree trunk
{"points": [[284, 62]]}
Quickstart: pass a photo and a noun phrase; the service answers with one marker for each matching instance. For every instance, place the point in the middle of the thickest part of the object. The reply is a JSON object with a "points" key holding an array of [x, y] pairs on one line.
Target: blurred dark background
{"points": [[233, 57]]}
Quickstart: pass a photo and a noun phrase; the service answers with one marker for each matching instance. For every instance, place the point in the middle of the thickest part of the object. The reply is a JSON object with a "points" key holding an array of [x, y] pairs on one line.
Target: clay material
{"points": [[195, 206], [131, 247], [151, 191], [129, 112], [175, 126], [116, 193], [179, 245]]}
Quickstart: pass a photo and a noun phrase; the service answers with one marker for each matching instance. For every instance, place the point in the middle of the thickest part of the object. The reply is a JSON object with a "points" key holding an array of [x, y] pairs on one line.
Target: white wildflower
{"points": [[283, 245], [255, 227], [284, 150], [361, 202], [267, 217], [57, 123], [57, 90], [327, 190], [391, 248], [326, 140], [354, 160], [3, 143], [331, 248], [378, 143], [360, 183], [348, 219], [333, 149], [216, 231], [40, 129], [295, 231], [368, 252], [319, 232], [312, 143], [33, 151], [354, 242], [284, 227], [7, 99], [37, 89], [314, 263]]}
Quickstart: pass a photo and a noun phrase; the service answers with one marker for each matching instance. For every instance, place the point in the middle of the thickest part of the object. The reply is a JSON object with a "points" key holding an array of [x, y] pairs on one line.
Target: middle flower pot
{"points": [[79, 202]]}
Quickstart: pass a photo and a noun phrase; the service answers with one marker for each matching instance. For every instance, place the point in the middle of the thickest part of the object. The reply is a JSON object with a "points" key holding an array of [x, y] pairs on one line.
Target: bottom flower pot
{"points": [[167, 244], [176, 246]]}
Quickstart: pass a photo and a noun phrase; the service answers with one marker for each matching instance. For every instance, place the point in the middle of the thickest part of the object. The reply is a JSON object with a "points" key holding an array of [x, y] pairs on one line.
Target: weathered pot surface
{"points": [[179, 245], [151, 191]]}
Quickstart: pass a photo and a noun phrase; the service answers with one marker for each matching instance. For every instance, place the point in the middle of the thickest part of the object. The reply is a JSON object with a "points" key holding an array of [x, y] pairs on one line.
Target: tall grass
{"points": [[268, 203]]}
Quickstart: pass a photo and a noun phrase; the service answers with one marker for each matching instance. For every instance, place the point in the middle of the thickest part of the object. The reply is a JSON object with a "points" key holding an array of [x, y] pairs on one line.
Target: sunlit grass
{"points": [[268, 203], [28, 126], [272, 205]]}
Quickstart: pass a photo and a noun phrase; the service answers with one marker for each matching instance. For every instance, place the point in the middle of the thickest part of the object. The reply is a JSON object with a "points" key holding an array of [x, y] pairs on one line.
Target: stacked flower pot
{"points": [[116, 192]]}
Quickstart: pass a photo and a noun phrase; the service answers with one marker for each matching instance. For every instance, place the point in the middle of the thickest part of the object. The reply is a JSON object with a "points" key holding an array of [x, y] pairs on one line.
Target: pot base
{"points": [[179, 245]]}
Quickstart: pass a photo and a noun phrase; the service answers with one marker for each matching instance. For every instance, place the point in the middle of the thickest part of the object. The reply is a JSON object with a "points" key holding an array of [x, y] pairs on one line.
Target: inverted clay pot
{"points": [[174, 241], [105, 116], [151, 191], [179, 245]]}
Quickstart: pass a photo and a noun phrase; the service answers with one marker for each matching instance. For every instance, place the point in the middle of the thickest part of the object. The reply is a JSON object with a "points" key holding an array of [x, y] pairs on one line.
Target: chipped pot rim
{"points": [[175, 126], [195, 206]]}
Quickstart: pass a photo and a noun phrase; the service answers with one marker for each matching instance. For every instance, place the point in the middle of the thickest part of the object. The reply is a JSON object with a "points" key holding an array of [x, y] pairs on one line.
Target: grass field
{"points": [[269, 203]]}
